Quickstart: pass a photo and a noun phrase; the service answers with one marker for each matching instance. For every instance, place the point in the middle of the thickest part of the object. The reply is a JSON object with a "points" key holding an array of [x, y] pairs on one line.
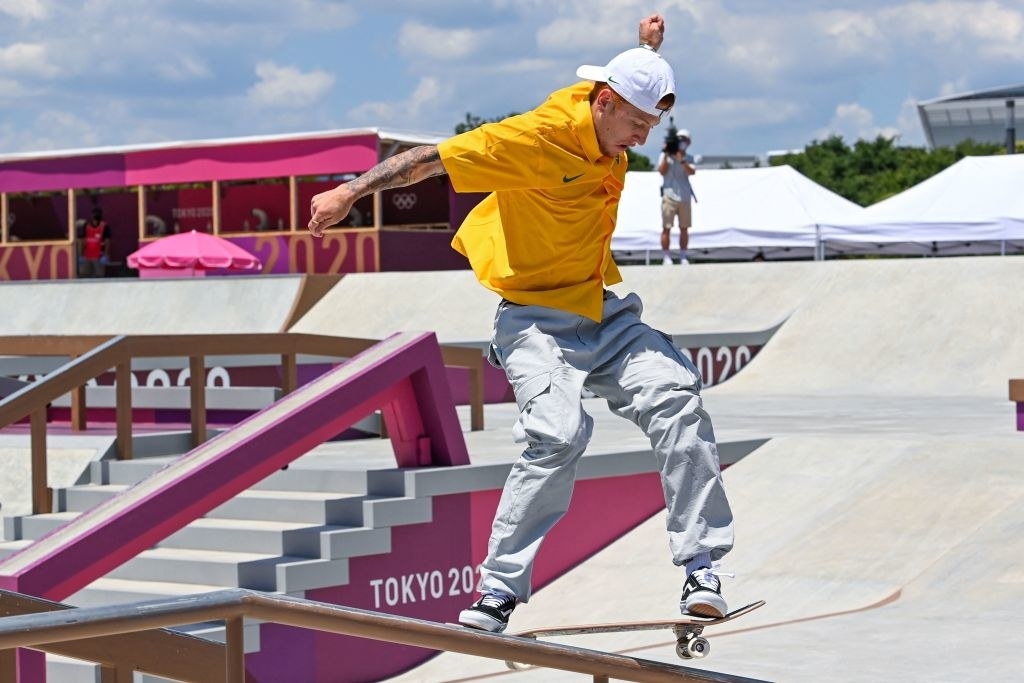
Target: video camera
{"points": [[671, 137]]}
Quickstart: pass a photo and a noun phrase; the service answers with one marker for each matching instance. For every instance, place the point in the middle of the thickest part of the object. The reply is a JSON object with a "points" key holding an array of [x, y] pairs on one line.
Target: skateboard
{"points": [[690, 644]]}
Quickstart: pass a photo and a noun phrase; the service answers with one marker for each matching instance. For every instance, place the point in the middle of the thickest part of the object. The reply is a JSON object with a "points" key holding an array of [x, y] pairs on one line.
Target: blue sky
{"points": [[752, 75]]}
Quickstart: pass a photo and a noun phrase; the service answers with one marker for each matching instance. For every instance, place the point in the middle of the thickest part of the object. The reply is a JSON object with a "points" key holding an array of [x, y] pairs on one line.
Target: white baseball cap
{"points": [[640, 76], [683, 133]]}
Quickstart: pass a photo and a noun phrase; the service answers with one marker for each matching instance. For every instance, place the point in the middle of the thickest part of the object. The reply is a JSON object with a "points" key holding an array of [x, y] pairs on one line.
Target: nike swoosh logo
{"points": [[567, 179], [612, 80]]}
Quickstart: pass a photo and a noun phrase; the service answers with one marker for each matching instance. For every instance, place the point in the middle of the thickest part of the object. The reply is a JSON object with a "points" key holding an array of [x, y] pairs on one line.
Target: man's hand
{"points": [[329, 208], [406, 168], [652, 31]]}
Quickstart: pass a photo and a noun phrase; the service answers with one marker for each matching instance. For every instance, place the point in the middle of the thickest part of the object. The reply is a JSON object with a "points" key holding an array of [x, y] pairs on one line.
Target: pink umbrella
{"points": [[190, 253]]}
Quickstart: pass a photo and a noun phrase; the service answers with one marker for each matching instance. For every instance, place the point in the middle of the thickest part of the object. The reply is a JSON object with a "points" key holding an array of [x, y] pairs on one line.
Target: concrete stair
{"points": [[292, 532], [267, 538]]}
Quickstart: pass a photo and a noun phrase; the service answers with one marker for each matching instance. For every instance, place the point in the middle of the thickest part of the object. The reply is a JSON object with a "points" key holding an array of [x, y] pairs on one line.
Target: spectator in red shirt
{"points": [[94, 246]]}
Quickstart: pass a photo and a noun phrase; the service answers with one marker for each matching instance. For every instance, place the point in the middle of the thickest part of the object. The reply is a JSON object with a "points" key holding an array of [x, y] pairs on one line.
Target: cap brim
{"points": [[589, 72]]}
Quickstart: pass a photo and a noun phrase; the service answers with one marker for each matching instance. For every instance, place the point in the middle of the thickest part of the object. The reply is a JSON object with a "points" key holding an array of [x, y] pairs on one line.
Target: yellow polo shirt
{"points": [[543, 235]]}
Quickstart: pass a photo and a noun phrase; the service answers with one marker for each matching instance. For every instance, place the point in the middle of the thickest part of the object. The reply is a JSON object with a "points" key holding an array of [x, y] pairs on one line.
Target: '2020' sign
{"points": [[717, 364]]}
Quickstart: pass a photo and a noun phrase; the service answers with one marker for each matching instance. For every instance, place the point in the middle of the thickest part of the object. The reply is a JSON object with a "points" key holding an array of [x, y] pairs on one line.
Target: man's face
{"points": [[619, 124]]}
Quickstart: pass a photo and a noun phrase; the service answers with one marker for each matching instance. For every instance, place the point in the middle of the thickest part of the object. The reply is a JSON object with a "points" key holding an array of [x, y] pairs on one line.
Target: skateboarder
{"points": [[542, 240]]}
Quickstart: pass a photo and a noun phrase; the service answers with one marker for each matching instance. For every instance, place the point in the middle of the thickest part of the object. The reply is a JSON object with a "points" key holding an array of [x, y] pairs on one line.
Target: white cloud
{"points": [[851, 33], [608, 25], [757, 55], [953, 87], [288, 87], [419, 40], [853, 122], [51, 129], [733, 113], [184, 68], [752, 74], [322, 16], [428, 93], [529, 65], [27, 58], [989, 29], [11, 89], [909, 124], [25, 9]]}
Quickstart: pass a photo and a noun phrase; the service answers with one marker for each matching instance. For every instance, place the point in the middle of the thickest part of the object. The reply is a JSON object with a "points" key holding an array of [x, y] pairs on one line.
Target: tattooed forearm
{"points": [[403, 169]]}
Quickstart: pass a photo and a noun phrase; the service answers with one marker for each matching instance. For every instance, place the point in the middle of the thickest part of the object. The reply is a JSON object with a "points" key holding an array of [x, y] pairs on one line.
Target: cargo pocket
{"points": [[535, 424], [492, 356], [695, 379]]}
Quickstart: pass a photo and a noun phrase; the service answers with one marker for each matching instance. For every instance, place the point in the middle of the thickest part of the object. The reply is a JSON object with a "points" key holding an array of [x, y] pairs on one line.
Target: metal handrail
{"points": [[118, 351], [165, 653], [233, 605]]}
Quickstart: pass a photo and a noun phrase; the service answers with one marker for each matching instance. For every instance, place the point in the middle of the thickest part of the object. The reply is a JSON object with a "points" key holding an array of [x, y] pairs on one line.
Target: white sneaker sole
{"points": [[704, 604], [479, 620]]}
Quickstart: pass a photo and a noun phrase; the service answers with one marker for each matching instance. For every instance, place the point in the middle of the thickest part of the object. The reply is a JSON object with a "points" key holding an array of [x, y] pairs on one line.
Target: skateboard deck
{"points": [[690, 644]]}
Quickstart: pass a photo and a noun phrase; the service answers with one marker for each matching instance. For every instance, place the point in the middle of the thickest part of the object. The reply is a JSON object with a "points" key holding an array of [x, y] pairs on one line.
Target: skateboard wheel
{"points": [[698, 648], [681, 650], [516, 666]]}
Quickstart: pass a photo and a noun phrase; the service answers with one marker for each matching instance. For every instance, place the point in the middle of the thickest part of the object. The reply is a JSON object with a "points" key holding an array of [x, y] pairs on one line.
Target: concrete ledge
{"points": [[303, 575], [380, 511], [425, 483], [217, 398], [336, 542]]}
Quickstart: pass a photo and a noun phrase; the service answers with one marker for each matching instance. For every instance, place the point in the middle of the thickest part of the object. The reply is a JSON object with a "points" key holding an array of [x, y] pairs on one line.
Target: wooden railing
{"points": [[94, 624], [168, 654], [1017, 390], [93, 356]]}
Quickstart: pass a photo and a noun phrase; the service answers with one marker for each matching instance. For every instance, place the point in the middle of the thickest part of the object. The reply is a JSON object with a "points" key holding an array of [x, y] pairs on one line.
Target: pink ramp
{"points": [[404, 376]]}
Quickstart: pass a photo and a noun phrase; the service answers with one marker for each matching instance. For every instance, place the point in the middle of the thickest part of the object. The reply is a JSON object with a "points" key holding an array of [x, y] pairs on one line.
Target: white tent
{"points": [[976, 206], [738, 212]]}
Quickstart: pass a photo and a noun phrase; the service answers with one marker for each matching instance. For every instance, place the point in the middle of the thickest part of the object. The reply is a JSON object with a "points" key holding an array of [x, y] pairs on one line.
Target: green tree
{"points": [[472, 122], [872, 170], [638, 162]]}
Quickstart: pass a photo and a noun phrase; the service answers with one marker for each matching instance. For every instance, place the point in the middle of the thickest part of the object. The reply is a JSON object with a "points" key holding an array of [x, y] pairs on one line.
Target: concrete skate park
{"points": [[874, 462]]}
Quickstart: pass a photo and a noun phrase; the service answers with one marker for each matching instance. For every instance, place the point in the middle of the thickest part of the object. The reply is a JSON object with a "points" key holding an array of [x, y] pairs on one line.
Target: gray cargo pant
{"points": [[550, 356]]}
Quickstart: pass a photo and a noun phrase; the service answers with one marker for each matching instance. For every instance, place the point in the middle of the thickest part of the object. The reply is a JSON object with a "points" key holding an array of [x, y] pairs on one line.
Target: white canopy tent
{"points": [[976, 206], [738, 213]]}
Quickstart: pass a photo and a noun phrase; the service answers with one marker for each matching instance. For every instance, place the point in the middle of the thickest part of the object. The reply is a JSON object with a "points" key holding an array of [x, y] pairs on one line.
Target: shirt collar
{"points": [[584, 117]]}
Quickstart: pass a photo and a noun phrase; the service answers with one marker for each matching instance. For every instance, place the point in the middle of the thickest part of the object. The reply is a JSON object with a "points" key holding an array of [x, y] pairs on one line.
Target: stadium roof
{"points": [[265, 156], [978, 115]]}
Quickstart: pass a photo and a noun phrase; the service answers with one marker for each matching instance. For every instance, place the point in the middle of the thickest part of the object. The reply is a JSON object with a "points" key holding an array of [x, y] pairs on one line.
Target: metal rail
{"points": [[164, 653], [233, 605], [92, 356]]}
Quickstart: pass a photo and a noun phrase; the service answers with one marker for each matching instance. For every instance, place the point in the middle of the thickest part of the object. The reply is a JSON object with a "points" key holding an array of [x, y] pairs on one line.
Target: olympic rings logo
{"points": [[404, 200]]}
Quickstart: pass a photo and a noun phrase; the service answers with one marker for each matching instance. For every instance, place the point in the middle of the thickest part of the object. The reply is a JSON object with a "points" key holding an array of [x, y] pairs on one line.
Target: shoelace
{"points": [[494, 600], [709, 576]]}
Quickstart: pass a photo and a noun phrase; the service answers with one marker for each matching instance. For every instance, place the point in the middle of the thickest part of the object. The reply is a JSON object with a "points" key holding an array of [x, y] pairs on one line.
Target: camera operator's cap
{"points": [[640, 76], [683, 133]]}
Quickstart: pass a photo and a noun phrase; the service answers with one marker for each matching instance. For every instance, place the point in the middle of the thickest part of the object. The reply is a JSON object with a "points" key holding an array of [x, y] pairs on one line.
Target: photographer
{"points": [[676, 167]]}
